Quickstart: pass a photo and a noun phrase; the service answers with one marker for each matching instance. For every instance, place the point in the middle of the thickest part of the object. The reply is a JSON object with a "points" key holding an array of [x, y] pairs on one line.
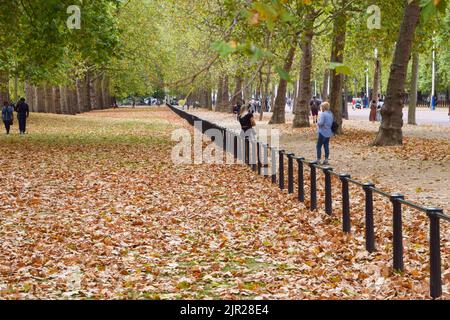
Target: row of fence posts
{"points": [[251, 154]]}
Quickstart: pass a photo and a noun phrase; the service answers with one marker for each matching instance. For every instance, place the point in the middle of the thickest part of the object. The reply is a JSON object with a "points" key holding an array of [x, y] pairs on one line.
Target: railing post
{"points": [[313, 187], [225, 139], [346, 222], [301, 180], [266, 159], [254, 160], [247, 151], [397, 232], [281, 169], [291, 173], [435, 253], [328, 197], [370, 233], [274, 165], [258, 151], [239, 147], [235, 147]]}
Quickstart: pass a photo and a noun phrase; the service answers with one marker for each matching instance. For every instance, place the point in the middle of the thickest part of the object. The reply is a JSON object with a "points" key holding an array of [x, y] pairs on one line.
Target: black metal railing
{"points": [[244, 151]]}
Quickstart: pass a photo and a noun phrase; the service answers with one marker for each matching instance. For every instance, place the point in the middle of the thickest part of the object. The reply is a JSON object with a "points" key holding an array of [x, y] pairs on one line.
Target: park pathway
{"points": [[420, 169]]}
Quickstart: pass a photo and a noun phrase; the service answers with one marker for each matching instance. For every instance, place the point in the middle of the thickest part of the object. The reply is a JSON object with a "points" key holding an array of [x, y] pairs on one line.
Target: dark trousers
{"points": [[22, 123], [323, 142], [7, 126]]}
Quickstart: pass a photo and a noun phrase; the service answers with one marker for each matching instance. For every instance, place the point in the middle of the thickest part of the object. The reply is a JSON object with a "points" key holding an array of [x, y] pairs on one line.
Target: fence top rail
{"points": [[414, 205], [356, 182], [442, 216], [433, 211], [381, 192]]}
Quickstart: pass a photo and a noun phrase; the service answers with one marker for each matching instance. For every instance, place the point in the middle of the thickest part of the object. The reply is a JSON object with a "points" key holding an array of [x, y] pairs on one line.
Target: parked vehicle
{"points": [[357, 104]]}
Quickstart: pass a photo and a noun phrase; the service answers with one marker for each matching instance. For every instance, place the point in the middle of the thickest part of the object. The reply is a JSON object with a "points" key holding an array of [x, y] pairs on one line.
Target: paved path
{"points": [[423, 116], [418, 169]]}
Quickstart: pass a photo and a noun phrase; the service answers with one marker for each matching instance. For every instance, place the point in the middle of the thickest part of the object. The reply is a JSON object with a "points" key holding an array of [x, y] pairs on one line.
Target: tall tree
{"points": [[413, 89], [337, 57], [390, 132], [302, 109], [279, 110]]}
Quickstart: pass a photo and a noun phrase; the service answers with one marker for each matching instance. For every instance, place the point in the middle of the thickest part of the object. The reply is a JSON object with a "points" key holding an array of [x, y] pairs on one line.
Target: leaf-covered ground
{"points": [[91, 207]]}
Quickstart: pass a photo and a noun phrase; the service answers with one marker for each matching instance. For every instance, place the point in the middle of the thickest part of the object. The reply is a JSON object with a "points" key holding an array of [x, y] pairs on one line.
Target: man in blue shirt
{"points": [[325, 132]]}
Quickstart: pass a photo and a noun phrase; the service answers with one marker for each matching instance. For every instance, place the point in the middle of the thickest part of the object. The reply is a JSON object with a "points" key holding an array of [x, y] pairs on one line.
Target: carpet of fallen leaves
{"points": [[91, 207]]}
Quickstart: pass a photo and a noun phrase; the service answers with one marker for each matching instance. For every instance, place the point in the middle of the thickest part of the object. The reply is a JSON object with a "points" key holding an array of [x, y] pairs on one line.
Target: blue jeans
{"points": [[325, 142]]}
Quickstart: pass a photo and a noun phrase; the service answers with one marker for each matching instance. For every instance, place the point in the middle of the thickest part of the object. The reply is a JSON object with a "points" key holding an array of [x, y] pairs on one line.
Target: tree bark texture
{"points": [[390, 132]]}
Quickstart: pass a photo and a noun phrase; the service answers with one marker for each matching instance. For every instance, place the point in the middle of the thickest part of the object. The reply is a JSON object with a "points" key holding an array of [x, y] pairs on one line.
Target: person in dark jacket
{"points": [[23, 112], [7, 116]]}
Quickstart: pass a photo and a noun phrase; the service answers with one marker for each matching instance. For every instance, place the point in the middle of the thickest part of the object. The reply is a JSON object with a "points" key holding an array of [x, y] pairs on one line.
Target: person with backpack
{"points": [[23, 112], [7, 116], [325, 130], [315, 107]]}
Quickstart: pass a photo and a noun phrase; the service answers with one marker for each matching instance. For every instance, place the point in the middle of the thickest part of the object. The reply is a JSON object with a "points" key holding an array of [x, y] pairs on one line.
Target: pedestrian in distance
{"points": [[315, 108], [373, 111], [23, 112], [248, 122], [7, 116], [325, 132]]}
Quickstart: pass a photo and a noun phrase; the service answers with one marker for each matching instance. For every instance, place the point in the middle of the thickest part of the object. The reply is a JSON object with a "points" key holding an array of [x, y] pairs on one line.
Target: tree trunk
{"points": [[30, 95], [49, 102], [57, 100], [279, 111], [90, 92], [302, 108], [390, 132], [40, 98], [337, 55], [99, 92], [261, 93], [376, 80], [344, 102], [237, 96], [224, 101], [64, 109], [81, 105], [296, 93], [219, 94], [413, 90], [16, 86], [76, 103], [326, 75], [105, 92], [4, 86], [208, 98]]}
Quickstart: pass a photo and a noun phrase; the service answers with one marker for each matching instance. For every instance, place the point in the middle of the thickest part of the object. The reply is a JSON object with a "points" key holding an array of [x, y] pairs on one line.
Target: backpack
{"points": [[335, 127], [7, 113]]}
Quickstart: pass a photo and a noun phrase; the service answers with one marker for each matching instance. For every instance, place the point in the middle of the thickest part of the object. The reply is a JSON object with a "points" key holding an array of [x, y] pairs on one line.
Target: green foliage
{"points": [[149, 46]]}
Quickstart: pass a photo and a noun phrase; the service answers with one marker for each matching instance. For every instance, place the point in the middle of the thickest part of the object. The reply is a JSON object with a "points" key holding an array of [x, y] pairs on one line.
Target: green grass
{"points": [[82, 130]]}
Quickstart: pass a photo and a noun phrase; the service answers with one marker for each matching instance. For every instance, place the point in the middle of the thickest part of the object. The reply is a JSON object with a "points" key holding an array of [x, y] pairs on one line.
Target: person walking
{"points": [[23, 112], [373, 111], [366, 102], [325, 133], [7, 116], [315, 108]]}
